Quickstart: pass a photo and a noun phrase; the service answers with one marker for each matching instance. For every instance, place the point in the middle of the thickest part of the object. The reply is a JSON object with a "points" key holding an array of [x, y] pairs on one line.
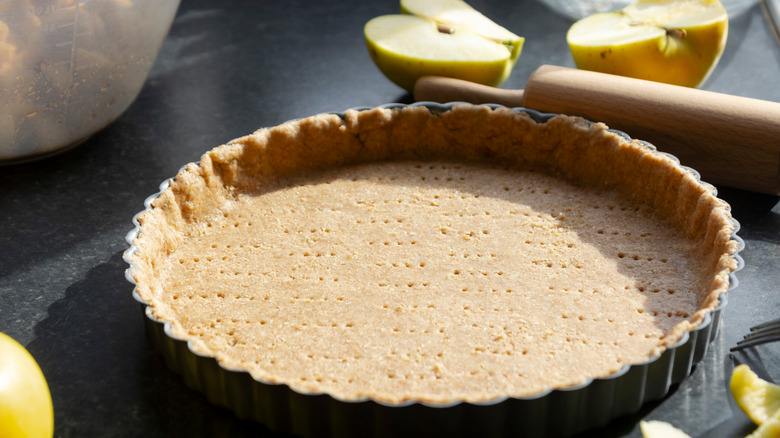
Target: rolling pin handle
{"points": [[442, 90]]}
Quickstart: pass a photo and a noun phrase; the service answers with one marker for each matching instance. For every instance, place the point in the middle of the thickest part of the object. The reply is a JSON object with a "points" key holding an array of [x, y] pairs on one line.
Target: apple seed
{"points": [[677, 33], [446, 29]]}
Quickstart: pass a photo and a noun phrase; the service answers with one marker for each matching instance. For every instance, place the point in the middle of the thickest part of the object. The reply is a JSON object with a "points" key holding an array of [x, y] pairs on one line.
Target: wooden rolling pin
{"points": [[731, 141]]}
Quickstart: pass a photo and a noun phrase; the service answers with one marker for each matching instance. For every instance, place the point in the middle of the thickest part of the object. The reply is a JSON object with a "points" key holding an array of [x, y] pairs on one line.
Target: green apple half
{"points": [[444, 38], [677, 42]]}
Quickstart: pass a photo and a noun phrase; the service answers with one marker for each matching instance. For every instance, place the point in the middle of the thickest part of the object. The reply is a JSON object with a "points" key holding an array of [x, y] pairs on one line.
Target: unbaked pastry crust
{"points": [[399, 254]]}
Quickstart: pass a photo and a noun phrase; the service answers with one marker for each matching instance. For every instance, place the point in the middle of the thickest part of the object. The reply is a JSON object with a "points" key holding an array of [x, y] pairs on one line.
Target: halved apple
{"points": [[441, 37], [673, 41]]}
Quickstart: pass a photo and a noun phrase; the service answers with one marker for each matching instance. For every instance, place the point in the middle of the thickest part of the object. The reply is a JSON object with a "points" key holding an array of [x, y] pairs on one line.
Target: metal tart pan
{"points": [[564, 412]]}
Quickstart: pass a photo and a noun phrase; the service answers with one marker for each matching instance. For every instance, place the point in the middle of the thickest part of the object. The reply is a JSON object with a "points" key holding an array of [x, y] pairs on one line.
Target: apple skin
{"points": [[25, 402], [670, 58], [404, 71]]}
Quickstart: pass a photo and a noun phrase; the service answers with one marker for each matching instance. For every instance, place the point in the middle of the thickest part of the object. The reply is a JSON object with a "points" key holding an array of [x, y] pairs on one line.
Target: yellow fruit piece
{"points": [[770, 428], [759, 399], [672, 41], [444, 38], [660, 429], [457, 13], [25, 403]]}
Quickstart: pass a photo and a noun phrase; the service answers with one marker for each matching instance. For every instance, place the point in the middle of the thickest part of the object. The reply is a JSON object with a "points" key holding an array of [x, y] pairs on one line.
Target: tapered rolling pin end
{"points": [[732, 141], [442, 90]]}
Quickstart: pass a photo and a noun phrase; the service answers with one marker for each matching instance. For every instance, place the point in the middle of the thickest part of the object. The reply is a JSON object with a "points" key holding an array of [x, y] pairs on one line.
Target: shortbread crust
{"points": [[399, 255]]}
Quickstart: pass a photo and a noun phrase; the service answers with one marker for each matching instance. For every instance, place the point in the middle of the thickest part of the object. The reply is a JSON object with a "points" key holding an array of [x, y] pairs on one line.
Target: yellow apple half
{"points": [[25, 402], [674, 41], [441, 37]]}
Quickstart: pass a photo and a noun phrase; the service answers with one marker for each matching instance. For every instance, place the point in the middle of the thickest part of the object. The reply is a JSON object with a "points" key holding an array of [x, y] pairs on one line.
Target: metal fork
{"points": [[772, 12], [760, 334]]}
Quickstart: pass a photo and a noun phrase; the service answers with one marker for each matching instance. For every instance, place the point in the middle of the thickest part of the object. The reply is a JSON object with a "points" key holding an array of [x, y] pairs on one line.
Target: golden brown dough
{"points": [[404, 255]]}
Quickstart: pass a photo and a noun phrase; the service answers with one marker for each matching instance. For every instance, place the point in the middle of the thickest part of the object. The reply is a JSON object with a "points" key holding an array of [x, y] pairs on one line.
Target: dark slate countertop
{"points": [[226, 69]]}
